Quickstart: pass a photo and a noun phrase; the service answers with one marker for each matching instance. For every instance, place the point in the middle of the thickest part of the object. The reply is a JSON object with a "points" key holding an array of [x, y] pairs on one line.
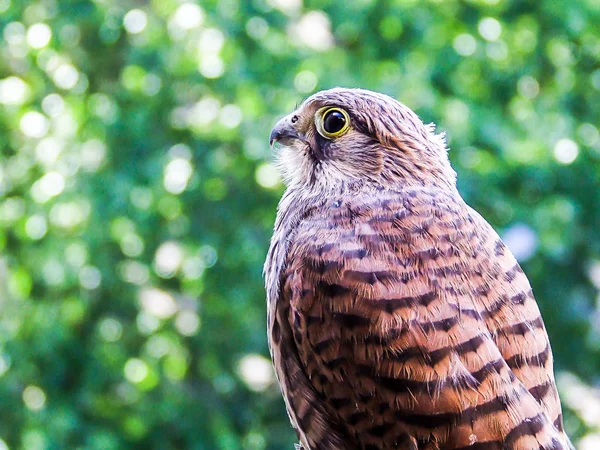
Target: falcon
{"points": [[397, 318]]}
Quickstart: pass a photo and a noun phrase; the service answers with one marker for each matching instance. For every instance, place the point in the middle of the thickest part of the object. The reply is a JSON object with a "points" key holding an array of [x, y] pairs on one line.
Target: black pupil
{"points": [[334, 121]]}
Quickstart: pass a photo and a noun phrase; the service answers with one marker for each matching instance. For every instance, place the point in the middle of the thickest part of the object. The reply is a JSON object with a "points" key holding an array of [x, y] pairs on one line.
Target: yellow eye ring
{"points": [[332, 122]]}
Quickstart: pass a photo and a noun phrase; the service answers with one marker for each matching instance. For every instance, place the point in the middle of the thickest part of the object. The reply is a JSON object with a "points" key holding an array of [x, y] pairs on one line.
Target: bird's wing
{"points": [[311, 417], [410, 324]]}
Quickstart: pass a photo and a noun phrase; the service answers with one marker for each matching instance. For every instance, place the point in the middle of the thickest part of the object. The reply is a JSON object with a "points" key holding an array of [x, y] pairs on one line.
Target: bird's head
{"points": [[354, 136]]}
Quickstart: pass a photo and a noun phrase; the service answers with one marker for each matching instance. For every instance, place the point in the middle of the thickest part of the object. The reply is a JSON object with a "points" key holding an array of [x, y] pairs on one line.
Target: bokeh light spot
{"points": [[314, 31], [187, 323], [464, 44], [528, 87], [36, 227], [53, 105], [66, 76], [588, 134], [93, 154], [90, 277], [134, 272], [490, 29], [211, 66], [256, 372], [53, 272], [13, 91], [34, 398], [39, 35], [135, 21], [34, 124], [177, 175], [110, 329], [168, 258], [306, 81], [76, 254], [50, 185], [188, 16], [230, 116], [257, 27], [267, 176], [521, 240], [566, 151], [158, 303], [135, 370]]}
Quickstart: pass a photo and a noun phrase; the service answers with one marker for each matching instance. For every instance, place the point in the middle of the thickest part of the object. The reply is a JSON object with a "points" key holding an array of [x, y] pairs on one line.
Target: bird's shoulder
{"points": [[406, 228]]}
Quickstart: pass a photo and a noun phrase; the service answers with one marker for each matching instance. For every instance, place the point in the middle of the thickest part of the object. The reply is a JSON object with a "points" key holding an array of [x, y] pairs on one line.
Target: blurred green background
{"points": [[137, 194]]}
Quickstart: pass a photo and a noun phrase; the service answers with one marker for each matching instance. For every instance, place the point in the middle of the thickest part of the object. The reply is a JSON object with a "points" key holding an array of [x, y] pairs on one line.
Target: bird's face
{"points": [[342, 136]]}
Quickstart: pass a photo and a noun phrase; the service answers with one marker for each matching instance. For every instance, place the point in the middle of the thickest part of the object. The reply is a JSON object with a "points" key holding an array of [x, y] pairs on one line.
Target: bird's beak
{"points": [[285, 132]]}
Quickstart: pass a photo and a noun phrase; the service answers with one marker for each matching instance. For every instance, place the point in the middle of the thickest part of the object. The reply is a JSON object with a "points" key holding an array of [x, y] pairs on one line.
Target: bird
{"points": [[397, 318]]}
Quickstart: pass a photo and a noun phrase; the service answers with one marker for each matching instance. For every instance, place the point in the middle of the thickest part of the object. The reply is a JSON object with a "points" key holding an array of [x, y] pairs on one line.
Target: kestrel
{"points": [[397, 318]]}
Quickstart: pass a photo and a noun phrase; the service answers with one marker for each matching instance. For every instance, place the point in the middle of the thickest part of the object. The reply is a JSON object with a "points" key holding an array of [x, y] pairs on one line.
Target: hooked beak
{"points": [[285, 131]]}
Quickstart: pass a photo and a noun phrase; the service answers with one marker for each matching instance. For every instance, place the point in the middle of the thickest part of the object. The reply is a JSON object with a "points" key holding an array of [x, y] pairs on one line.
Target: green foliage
{"points": [[137, 194]]}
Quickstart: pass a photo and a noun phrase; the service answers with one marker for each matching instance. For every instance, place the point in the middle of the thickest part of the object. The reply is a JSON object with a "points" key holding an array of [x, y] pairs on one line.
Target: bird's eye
{"points": [[332, 122]]}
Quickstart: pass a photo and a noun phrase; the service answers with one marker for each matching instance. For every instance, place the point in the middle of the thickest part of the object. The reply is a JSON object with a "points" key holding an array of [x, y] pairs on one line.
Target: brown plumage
{"points": [[397, 318]]}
